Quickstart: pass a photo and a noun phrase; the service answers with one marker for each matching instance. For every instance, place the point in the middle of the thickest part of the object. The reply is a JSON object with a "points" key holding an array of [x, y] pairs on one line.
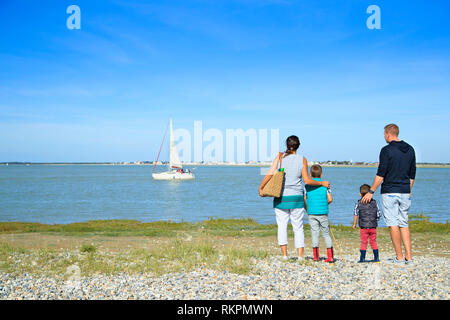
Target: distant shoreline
{"points": [[419, 165]]}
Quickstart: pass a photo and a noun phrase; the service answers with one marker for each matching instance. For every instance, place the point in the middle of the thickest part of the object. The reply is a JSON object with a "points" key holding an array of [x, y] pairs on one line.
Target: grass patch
{"points": [[165, 246], [100, 227], [116, 228], [425, 226], [240, 261], [89, 248], [243, 227], [175, 256], [419, 216], [219, 223]]}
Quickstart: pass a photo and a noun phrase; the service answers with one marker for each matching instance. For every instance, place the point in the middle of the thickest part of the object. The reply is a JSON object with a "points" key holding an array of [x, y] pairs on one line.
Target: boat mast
{"points": [[162, 143]]}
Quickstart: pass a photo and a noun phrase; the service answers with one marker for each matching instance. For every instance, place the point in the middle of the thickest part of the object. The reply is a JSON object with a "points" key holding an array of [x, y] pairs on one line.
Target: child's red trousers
{"points": [[368, 235]]}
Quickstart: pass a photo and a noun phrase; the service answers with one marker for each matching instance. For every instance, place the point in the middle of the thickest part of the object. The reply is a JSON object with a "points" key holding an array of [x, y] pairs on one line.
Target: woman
{"points": [[291, 204]]}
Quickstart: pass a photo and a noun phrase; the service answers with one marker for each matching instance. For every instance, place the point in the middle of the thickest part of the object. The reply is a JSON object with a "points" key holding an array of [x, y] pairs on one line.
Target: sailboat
{"points": [[175, 170]]}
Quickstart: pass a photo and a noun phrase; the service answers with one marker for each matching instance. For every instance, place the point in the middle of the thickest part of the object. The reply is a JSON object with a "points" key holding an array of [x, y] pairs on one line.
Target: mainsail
{"points": [[174, 161]]}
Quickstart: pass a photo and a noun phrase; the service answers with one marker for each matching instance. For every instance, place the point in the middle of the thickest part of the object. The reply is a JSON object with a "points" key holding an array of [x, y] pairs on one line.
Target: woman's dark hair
{"points": [[292, 144]]}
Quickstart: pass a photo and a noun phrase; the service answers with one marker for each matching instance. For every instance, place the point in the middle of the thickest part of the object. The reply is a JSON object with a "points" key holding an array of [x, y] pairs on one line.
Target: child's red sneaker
{"points": [[330, 255]]}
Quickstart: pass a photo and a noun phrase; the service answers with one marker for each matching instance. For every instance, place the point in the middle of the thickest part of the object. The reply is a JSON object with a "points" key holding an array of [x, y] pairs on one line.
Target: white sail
{"points": [[173, 156], [174, 163]]}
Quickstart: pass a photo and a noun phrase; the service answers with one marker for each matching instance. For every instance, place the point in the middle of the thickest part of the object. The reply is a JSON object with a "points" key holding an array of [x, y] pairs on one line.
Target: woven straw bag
{"points": [[274, 186]]}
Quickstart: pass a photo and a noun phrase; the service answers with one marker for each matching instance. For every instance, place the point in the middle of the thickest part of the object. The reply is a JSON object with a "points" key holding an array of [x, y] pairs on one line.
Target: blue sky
{"points": [[310, 68]]}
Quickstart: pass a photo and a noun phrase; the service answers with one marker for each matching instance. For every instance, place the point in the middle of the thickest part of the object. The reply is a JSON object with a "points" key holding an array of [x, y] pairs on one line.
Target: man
{"points": [[397, 171]]}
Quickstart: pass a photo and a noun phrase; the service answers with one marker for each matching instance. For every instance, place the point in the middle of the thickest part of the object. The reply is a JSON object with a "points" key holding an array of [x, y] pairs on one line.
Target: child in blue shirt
{"points": [[317, 200]]}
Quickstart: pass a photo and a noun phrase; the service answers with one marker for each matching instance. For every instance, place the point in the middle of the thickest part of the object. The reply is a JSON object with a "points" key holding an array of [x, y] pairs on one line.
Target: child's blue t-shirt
{"points": [[317, 200]]}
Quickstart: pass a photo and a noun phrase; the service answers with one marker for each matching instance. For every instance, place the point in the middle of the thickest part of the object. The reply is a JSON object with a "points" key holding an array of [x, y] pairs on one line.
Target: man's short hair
{"points": [[316, 171], [364, 189], [392, 129]]}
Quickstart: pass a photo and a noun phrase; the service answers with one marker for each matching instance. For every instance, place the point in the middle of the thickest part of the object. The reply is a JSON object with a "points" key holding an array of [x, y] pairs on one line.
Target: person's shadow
{"points": [[320, 259]]}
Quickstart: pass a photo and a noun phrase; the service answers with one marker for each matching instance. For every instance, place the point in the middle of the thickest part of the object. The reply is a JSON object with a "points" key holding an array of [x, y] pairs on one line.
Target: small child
{"points": [[317, 199], [368, 215]]}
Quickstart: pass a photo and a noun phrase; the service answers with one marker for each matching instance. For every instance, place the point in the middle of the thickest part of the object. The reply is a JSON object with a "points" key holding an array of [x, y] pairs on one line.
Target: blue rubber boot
{"points": [[363, 256], [375, 256]]}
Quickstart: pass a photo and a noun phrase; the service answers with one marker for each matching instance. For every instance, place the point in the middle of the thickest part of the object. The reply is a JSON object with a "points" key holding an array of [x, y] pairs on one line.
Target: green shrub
{"points": [[89, 248]]}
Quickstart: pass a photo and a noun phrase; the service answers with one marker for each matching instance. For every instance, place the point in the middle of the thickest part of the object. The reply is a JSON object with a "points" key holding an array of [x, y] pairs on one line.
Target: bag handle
{"points": [[280, 157]]}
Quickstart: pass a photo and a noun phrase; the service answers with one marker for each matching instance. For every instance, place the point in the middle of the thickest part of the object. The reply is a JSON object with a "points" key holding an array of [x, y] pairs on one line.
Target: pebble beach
{"points": [[270, 278]]}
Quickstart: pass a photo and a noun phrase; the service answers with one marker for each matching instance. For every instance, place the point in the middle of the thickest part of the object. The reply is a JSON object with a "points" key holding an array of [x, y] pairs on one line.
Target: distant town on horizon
{"points": [[213, 163]]}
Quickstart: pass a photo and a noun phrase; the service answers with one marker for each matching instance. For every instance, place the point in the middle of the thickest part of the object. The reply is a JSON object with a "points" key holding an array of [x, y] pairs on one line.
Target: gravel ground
{"points": [[271, 278]]}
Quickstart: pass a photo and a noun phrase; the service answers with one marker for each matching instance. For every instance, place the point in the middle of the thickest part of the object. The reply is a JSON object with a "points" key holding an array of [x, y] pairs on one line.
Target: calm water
{"points": [[72, 193]]}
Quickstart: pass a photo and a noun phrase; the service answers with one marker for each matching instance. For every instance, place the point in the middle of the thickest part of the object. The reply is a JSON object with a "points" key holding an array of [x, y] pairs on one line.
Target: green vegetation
{"points": [[421, 223], [218, 227], [99, 227], [88, 248], [178, 256], [131, 246]]}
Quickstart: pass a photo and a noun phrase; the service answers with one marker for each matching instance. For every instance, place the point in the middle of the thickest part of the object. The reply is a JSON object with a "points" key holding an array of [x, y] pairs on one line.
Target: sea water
{"points": [[73, 193]]}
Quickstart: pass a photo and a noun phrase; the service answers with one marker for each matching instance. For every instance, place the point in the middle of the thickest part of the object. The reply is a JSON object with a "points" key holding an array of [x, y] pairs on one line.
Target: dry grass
{"points": [[165, 247]]}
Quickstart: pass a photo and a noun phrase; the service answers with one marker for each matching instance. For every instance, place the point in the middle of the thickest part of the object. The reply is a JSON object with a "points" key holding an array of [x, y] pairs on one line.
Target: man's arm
{"points": [[412, 171], [383, 163], [381, 173], [376, 183], [412, 174]]}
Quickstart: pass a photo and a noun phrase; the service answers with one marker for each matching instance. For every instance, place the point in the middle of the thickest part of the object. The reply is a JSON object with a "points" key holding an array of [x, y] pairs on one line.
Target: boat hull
{"points": [[173, 176]]}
